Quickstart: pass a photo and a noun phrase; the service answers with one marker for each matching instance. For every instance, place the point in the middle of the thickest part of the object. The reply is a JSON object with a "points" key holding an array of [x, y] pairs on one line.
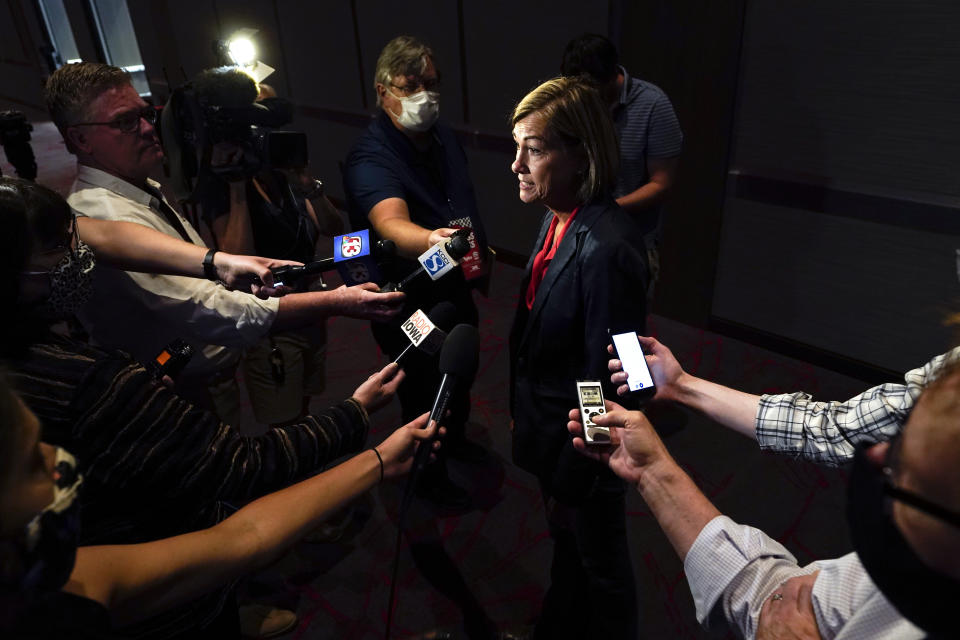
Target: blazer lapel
{"points": [[561, 260]]}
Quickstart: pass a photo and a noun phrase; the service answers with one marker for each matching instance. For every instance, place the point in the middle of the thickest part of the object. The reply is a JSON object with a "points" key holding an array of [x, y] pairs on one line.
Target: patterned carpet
{"points": [[502, 549]]}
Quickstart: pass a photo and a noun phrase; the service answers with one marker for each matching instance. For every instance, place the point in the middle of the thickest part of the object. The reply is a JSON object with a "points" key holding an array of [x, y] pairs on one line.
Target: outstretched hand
{"points": [[365, 301], [664, 367], [400, 446], [250, 273], [378, 390], [634, 446]]}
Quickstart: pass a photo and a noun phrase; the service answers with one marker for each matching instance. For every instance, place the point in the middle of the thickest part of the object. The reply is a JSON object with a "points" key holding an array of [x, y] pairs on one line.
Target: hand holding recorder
{"points": [[634, 448]]}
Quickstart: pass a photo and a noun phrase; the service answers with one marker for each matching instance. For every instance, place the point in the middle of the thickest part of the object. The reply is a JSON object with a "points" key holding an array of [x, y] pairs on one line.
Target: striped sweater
{"points": [[154, 465]]}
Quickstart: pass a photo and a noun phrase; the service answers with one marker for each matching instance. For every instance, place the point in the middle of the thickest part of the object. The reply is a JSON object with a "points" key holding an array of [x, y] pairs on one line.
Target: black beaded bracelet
{"points": [[374, 449]]}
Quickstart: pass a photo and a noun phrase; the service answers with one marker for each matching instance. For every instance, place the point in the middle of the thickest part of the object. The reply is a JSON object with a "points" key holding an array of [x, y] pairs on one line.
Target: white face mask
{"points": [[418, 112]]}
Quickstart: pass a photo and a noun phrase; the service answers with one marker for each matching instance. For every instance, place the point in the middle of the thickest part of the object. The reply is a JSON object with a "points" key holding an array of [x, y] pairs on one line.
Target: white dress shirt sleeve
{"points": [[142, 312], [732, 569]]}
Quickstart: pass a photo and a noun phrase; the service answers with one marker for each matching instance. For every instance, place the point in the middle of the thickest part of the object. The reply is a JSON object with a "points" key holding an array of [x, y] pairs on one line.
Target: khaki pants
{"points": [[281, 370]]}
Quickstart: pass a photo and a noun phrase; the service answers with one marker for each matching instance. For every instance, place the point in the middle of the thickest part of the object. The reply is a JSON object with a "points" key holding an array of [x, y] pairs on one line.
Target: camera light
{"points": [[242, 51]]}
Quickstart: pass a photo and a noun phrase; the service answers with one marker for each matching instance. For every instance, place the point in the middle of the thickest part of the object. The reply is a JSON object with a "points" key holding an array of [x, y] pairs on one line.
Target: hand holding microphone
{"points": [[397, 450], [438, 260], [440, 235], [459, 359]]}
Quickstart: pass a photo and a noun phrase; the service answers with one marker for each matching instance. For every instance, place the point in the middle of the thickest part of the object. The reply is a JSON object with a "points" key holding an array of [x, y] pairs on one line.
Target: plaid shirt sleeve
{"points": [[828, 432]]}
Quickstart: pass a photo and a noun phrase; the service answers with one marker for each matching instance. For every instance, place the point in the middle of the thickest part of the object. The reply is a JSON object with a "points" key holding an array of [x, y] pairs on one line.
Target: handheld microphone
{"points": [[355, 259], [427, 333], [436, 262], [459, 358], [290, 274]]}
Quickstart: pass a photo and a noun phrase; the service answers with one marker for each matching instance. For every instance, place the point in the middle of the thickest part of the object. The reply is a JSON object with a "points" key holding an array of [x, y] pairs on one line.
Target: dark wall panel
{"points": [[690, 49], [21, 77], [856, 98], [861, 92], [195, 27], [872, 292], [319, 55], [508, 55]]}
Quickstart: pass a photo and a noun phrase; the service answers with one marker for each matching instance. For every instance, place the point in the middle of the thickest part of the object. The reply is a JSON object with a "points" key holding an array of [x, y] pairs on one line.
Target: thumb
{"points": [[615, 418]]}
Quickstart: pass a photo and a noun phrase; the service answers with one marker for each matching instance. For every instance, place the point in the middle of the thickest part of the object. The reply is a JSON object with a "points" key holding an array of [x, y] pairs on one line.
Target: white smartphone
{"points": [[631, 355]]}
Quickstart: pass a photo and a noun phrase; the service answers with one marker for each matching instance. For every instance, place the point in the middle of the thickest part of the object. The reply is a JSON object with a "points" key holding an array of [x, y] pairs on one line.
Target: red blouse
{"points": [[543, 258]]}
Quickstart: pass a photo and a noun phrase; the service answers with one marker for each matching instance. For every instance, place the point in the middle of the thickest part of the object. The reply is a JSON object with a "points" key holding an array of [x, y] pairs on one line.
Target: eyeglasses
{"points": [[67, 244], [128, 122], [908, 497], [431, 84]]}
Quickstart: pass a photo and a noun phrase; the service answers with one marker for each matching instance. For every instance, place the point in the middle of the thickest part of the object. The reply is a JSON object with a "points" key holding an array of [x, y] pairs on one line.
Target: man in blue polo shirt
{"points": [[650, 135], [407, 178]]}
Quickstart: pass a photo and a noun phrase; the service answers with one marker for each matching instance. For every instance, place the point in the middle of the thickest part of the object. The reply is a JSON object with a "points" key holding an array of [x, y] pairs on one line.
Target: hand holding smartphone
{"points": [[639, 380]]}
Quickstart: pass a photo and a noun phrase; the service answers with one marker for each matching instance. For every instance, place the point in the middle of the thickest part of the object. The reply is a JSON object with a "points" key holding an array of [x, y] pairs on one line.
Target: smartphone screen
{"points": [[631, 355]]}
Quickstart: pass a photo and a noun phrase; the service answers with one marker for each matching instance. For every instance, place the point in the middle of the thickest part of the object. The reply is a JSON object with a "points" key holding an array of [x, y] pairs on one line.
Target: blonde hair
{"points": [[574, 112], [403, 56]]}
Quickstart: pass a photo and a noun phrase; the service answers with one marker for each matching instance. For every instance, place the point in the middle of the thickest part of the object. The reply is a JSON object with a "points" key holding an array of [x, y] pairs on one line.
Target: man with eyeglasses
{"points": [[903, 510], [110, 129], [407, 178]]}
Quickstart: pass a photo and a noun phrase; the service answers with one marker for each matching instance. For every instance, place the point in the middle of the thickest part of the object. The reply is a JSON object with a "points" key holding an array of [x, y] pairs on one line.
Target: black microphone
{"points": [[440, 259], [459, 359], [424, 337], [290, 274]]}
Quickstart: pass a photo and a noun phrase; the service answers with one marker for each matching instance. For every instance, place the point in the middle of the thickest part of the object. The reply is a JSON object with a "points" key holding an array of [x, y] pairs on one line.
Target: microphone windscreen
{"points": [[442, 315], [385, 249], [458, 247], [460, 353], [225, 87]]}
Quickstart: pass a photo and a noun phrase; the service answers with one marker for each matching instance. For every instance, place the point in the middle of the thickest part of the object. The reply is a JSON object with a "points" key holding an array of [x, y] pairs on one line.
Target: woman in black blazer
{"points": [[588, 272]]}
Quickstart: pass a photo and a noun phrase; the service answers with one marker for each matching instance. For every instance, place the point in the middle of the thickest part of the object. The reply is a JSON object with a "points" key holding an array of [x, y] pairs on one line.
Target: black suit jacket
{"points": [[597, 279]]}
